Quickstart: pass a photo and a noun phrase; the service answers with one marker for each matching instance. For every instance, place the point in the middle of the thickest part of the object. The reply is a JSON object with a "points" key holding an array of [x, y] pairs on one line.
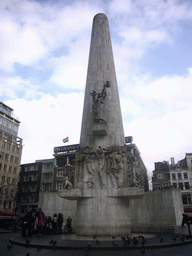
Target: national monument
{"points": [[106, 198]]}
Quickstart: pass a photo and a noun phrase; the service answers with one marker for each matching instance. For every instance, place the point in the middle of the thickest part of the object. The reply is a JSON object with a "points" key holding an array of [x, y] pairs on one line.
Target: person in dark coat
{"points": [[60, 222], [185, 219], [69, 224], [24, 224]]}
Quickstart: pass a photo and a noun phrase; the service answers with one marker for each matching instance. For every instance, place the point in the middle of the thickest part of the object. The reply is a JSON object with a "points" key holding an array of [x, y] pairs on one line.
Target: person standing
{"points": [[69, 224], [60, 222]]}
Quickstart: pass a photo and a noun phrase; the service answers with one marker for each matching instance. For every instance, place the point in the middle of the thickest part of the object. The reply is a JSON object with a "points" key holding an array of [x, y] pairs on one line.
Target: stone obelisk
{"points": [[102, 121], [101, 175]]}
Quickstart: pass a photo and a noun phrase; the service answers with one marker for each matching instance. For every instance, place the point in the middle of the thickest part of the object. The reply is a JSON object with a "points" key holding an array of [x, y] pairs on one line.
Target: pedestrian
{"points": [[60, 222], [185, 219], [69, 224], [55, 223], [24, 224]]}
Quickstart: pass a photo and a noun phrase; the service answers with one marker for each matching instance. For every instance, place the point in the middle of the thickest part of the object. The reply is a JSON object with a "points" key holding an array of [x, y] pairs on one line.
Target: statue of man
{"points": [[68, 184]]}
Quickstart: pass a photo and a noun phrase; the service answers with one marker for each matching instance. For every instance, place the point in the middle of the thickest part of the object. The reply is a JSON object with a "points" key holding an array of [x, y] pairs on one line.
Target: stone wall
{"points": [[157, 211], [51, 203]]}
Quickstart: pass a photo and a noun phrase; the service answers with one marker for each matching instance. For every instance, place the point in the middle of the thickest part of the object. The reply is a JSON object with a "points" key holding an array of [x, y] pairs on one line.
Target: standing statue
{"points": [[68, 184], [90, 168], [98, 104], [136, 174]]}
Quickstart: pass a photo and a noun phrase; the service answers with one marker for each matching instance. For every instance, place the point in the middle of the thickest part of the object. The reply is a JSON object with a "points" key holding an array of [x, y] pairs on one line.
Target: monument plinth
{"points": [[101, 185]]}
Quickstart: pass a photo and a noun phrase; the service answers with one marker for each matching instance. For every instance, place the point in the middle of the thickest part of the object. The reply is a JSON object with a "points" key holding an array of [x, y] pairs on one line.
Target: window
{"points": [[8, 146], [15, 170], [59, 185], [185, 174], [7, 204], [17, 150], [8, 180], [3, 144], [157, 186], [3, 178], [13, 148], [16, 160], [11, 192], [6, 157], [181, 185], [5, 168], [11, 159], [174, 185], [10, 169], [165, 185], [186, 199], [173, 176], [61, 173], [187, 185], [160, 176], [179, 176], [47, 166], [1, 155]]}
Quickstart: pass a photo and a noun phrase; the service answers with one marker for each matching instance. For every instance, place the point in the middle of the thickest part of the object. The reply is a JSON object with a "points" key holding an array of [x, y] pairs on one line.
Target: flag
{"points": [[66, 139]]}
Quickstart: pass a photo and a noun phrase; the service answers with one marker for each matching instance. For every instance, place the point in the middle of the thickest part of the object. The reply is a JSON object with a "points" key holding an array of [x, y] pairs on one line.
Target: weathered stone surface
{"points": [[100, 70]]}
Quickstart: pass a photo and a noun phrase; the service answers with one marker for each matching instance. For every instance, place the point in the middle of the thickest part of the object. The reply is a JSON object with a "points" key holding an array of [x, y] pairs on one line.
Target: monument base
{"points": [[102, 212]]}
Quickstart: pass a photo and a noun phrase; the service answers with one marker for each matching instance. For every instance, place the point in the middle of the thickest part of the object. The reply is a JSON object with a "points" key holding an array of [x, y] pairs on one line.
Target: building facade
{"points": [[10, 157], [161, 176], [29, 187], [177, 175]]}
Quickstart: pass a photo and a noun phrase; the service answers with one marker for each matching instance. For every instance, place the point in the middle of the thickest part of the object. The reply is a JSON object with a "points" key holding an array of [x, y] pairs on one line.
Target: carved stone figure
{"points": [[68, 184], [115, 167], [98, 104], [136, 172], [90, 167], [100, 156]]}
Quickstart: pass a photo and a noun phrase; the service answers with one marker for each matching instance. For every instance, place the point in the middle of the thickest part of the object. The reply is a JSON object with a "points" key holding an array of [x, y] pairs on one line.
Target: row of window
{"points": [[181, 185], [8, 168], [47, 176], [48, 166], [7, 158], [6, 204], [9, 180], [30, 177], [6, 191], [179, 176], [13, 148], [61, 173], [28, 199], [9, 124], [47, 186], [31, 167], [160, 186], [29, 188]]}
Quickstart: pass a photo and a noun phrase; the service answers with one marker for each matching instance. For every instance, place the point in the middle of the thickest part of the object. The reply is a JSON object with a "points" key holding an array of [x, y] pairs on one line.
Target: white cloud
{"points": [[44, 123], [156, 111]]}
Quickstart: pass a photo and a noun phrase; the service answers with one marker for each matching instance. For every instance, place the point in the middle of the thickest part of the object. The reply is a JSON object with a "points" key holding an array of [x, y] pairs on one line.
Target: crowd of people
{"points": [[39, 224]]}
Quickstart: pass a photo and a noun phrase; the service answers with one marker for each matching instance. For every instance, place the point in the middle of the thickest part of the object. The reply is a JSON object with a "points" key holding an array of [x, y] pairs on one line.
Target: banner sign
{"points": [[66, 148], [129, 139]]}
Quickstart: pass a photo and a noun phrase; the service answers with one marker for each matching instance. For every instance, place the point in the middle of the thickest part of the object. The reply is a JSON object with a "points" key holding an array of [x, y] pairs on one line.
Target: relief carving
{"points": [[136, 172], [98, 104], [115, 167]]}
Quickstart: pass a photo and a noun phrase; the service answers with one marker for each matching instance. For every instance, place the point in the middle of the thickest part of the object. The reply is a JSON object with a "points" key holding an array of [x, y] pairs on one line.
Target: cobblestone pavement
{"points": [[80, 248]]}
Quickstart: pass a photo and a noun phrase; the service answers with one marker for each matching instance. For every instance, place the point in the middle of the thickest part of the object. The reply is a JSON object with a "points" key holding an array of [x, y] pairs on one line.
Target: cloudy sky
{"points": [[43, 65]]}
